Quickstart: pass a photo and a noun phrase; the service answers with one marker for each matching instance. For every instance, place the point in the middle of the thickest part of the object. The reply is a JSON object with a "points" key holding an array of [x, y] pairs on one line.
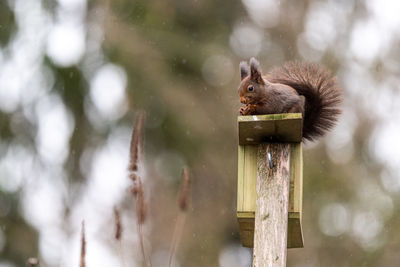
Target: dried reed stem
{"points": [[137, 187], [176, 237], [146, 261], [183, 200], [118, 234], [134, 189], [136, 144], [184, 189], [83, 246], [118, 225], [141, 214], [141, 207]]}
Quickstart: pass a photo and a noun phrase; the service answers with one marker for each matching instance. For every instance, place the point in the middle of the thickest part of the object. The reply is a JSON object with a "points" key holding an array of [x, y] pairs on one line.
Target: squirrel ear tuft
{"points": [[244, 70], [255, 70]]}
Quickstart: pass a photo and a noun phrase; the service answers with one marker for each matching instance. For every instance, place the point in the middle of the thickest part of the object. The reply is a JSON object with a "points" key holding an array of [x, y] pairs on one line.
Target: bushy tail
{"points": [[321, 91]]}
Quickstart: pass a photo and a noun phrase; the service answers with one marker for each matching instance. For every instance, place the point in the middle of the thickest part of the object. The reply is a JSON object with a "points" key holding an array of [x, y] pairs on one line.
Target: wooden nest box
{"points": [[254, 130]]}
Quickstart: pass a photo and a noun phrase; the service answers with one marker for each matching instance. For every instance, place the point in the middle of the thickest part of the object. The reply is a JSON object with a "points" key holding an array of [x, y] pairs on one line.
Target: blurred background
{"points": [[73, 74]]}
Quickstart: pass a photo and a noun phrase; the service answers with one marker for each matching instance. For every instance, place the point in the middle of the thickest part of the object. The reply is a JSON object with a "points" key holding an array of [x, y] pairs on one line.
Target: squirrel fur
{"points": [[281, 91]]}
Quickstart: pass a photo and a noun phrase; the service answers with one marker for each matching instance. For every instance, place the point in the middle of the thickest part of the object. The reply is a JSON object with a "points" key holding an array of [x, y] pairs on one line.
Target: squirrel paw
{"points": [[245, 110], [242, 110]]}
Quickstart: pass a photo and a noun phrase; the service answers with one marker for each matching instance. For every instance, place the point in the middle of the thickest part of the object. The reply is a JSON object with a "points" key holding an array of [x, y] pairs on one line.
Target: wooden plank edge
{"points": [[270, 117], [240, 185], [245, 214]]}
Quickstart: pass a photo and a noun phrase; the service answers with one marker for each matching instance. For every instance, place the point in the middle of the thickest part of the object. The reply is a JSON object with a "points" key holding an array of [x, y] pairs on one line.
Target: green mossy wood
{"points": [[253, 130]]}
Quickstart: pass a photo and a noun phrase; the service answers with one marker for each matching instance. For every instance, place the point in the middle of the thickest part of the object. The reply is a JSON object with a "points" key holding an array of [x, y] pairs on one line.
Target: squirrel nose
{"points": [[243, 100]]}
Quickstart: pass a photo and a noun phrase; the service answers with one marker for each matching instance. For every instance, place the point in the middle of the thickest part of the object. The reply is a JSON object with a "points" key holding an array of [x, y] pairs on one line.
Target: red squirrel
{"points": [[281, 91]]}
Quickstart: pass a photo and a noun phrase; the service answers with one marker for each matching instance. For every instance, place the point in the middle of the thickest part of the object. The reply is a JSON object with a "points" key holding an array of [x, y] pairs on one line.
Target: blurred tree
{"points": [[73, 74], [7, 23]]}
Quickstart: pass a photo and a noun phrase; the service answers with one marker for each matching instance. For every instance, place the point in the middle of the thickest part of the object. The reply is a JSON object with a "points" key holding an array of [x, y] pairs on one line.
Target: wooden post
{"points": [[272, 201]]}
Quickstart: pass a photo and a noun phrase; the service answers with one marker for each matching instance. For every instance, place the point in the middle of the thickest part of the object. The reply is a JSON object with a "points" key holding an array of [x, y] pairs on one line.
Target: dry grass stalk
{"points": [[118, 233], [118, 224], [141, 214], [183, 200], [184, 189], [132, 176], [134, 189], [137, 187], [141, 241], [136, 144], [31, 262], [176, 237], [83, 246], [141, 207]]}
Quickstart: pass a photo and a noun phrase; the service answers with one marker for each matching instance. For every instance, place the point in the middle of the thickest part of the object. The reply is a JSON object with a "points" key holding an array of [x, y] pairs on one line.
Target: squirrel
{"points": [[281, 91]]}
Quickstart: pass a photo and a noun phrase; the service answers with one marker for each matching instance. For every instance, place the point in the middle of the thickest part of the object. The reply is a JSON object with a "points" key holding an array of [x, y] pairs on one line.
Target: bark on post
{"points": [[271, 215]]}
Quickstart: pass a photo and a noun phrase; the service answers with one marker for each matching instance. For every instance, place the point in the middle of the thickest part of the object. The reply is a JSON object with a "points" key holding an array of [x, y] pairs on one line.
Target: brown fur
{"points": [[281, 89]]}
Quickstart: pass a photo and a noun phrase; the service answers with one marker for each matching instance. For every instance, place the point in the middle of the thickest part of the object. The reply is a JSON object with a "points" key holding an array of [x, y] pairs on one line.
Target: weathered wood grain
{"points": [[271, 214]]}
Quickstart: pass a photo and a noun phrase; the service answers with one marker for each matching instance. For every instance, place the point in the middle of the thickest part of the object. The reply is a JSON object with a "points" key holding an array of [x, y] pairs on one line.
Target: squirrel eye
{"points": [[251, 88]]}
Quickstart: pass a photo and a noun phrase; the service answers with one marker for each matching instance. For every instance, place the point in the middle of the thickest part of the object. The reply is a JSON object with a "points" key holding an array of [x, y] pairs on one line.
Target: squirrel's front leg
{"points": [[247, 110], [242, 110]]}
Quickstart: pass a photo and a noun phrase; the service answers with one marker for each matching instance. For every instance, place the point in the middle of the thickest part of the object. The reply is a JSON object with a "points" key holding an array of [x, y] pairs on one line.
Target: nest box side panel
{"points": [[295, 232], [287, 127], [246, 193], [247, 178]]}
